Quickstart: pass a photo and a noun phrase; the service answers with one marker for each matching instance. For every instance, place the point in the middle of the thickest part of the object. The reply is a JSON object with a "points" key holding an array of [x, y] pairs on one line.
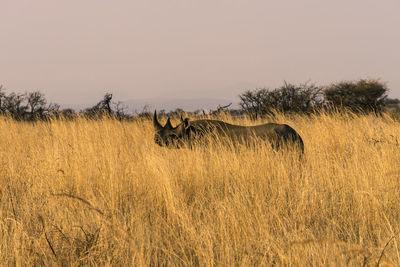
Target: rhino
{"points": [[189, 132]]}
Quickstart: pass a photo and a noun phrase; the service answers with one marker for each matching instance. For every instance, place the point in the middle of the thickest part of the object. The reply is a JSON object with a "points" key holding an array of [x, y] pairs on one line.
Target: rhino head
{"points": [[173, 137]]}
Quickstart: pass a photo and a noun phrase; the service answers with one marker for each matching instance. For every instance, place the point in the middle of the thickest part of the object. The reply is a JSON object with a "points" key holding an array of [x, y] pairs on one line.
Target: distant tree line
{"points": [[27, 106], [32, 106], [361, 96]]}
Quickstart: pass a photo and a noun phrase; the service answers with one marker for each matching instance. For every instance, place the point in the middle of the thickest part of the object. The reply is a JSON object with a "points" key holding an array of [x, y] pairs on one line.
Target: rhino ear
{"points": [[168, 125], [157, 125], [186, 122]]}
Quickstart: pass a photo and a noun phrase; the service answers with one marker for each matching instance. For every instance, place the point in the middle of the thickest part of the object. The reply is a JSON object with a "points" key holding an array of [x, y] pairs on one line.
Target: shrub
{"points": [[289, 98], [357, 96]]}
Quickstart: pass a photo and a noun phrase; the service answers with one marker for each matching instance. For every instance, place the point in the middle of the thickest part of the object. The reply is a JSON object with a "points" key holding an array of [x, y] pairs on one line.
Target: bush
{"points": [[289, 98], [357, 96]]}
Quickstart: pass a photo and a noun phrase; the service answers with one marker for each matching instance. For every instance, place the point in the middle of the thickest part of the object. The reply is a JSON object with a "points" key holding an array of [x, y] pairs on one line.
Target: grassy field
{"points": [[102, 193]]}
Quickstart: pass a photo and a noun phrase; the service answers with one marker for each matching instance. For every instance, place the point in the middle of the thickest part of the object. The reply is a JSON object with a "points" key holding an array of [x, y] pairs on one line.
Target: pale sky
{"points": [[75, 51]]}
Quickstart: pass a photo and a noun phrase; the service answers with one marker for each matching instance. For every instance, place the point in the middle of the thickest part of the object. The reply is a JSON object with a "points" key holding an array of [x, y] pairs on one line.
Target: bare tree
{"points": [[36, 103], [101, 108], [14, 104]]}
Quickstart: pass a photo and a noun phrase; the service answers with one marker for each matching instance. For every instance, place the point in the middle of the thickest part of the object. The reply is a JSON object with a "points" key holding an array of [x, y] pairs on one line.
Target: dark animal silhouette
{"points": [[189, 132]]}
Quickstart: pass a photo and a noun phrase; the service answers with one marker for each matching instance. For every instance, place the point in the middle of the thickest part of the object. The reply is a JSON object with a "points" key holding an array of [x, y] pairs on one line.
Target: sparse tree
{"points": [[14, 104], [109, 108], [101, 108], [36, 103]]}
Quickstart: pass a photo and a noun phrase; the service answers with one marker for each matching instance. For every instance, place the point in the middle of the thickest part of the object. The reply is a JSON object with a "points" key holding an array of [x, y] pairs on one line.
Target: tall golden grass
{"points": [[102, 193]]}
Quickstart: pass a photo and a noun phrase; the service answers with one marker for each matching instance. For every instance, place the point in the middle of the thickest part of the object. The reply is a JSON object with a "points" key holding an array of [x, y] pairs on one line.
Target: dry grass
{"points": [[102, 193]]}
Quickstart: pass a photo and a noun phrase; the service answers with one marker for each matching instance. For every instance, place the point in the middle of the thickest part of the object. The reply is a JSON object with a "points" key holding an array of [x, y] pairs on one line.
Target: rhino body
{"points": [[189, 132]]}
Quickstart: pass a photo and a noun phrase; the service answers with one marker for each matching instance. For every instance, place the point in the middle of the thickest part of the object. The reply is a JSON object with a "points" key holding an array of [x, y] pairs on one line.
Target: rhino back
{"points": [[267, 131], [274, 133]]}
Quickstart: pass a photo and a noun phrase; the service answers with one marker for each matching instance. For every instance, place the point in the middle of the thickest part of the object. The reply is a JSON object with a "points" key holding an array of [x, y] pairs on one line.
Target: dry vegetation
{"points": [[102, 193]]}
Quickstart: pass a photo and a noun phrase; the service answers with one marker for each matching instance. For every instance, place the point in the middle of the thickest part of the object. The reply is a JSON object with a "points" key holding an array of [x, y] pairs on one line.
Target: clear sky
{"points": [[74, 51]]}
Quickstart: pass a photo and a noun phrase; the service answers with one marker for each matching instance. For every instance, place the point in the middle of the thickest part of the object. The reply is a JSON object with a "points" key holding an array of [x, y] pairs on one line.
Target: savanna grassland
{"points": [[89, 192]]}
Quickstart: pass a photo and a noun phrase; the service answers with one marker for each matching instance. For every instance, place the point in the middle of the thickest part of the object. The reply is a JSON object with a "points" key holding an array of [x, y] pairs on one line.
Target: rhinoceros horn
{"points": [[157, 125], [168, 125]]}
